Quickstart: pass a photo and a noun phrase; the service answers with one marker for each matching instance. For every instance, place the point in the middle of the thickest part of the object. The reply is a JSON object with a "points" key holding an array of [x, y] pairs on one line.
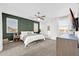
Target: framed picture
{"points": [[11, 25]]}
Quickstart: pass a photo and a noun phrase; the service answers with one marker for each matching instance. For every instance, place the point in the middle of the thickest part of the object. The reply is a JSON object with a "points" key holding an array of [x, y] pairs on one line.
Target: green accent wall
{"points": [[23, 25]]}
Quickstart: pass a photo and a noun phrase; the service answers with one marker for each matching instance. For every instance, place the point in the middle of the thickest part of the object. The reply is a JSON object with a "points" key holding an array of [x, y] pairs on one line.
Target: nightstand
{"points": [[16, 37]]}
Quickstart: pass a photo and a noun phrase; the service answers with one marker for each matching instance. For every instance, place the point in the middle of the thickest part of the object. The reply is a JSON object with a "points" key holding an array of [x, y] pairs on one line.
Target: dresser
{"points": [[66, 45]]}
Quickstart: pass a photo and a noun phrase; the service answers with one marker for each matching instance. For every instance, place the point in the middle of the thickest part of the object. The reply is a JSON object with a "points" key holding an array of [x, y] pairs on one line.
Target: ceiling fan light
{"points": [[38, 18]]}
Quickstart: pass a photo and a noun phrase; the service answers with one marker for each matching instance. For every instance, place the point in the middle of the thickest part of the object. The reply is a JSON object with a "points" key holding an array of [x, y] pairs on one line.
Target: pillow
{"points": [[27, 32], [23, 32], [30, 32]]}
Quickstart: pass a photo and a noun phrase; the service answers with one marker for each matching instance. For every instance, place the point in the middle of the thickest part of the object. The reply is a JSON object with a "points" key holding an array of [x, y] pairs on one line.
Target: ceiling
{"points": [[27, 10]]}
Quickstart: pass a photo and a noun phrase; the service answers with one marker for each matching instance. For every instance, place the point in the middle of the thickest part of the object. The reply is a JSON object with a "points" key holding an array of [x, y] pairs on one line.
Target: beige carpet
{"points": [[39, 48]]}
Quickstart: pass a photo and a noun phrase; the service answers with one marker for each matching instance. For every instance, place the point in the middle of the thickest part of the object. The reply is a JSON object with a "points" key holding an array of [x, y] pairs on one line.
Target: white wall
{"points": [[53, 28], [53, 21], [78, 10], [1, 41], [29, 10]]}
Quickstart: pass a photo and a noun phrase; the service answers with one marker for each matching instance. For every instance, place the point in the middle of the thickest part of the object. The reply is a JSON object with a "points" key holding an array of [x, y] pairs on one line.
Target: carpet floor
{"points": [[40, 48]]}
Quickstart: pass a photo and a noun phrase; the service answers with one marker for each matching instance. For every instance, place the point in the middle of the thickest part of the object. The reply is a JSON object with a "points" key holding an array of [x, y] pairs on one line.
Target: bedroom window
{"points": [[35, 27], [64, 25]]}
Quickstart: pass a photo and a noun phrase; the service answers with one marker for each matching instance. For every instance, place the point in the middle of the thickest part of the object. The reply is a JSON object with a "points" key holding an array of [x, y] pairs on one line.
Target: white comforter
{"points": [[30, 38]]}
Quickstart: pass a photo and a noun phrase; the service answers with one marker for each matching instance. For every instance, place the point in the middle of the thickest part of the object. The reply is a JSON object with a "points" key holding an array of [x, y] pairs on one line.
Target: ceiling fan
{"points": [[74, 20], [38, 15]]}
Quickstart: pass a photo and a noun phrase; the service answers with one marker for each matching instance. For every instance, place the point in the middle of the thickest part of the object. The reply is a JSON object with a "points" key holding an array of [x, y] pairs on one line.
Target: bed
{"points": [[28, 37]]}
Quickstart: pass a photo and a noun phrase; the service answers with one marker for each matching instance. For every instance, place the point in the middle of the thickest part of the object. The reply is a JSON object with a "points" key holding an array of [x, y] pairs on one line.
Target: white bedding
{"points": [[31, 37]]}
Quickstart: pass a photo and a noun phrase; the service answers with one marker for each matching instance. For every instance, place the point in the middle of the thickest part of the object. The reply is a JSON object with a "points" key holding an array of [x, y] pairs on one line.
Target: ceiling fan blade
{"points": [[43, 16], [73, 19], [36, 15], [72, 14]]}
